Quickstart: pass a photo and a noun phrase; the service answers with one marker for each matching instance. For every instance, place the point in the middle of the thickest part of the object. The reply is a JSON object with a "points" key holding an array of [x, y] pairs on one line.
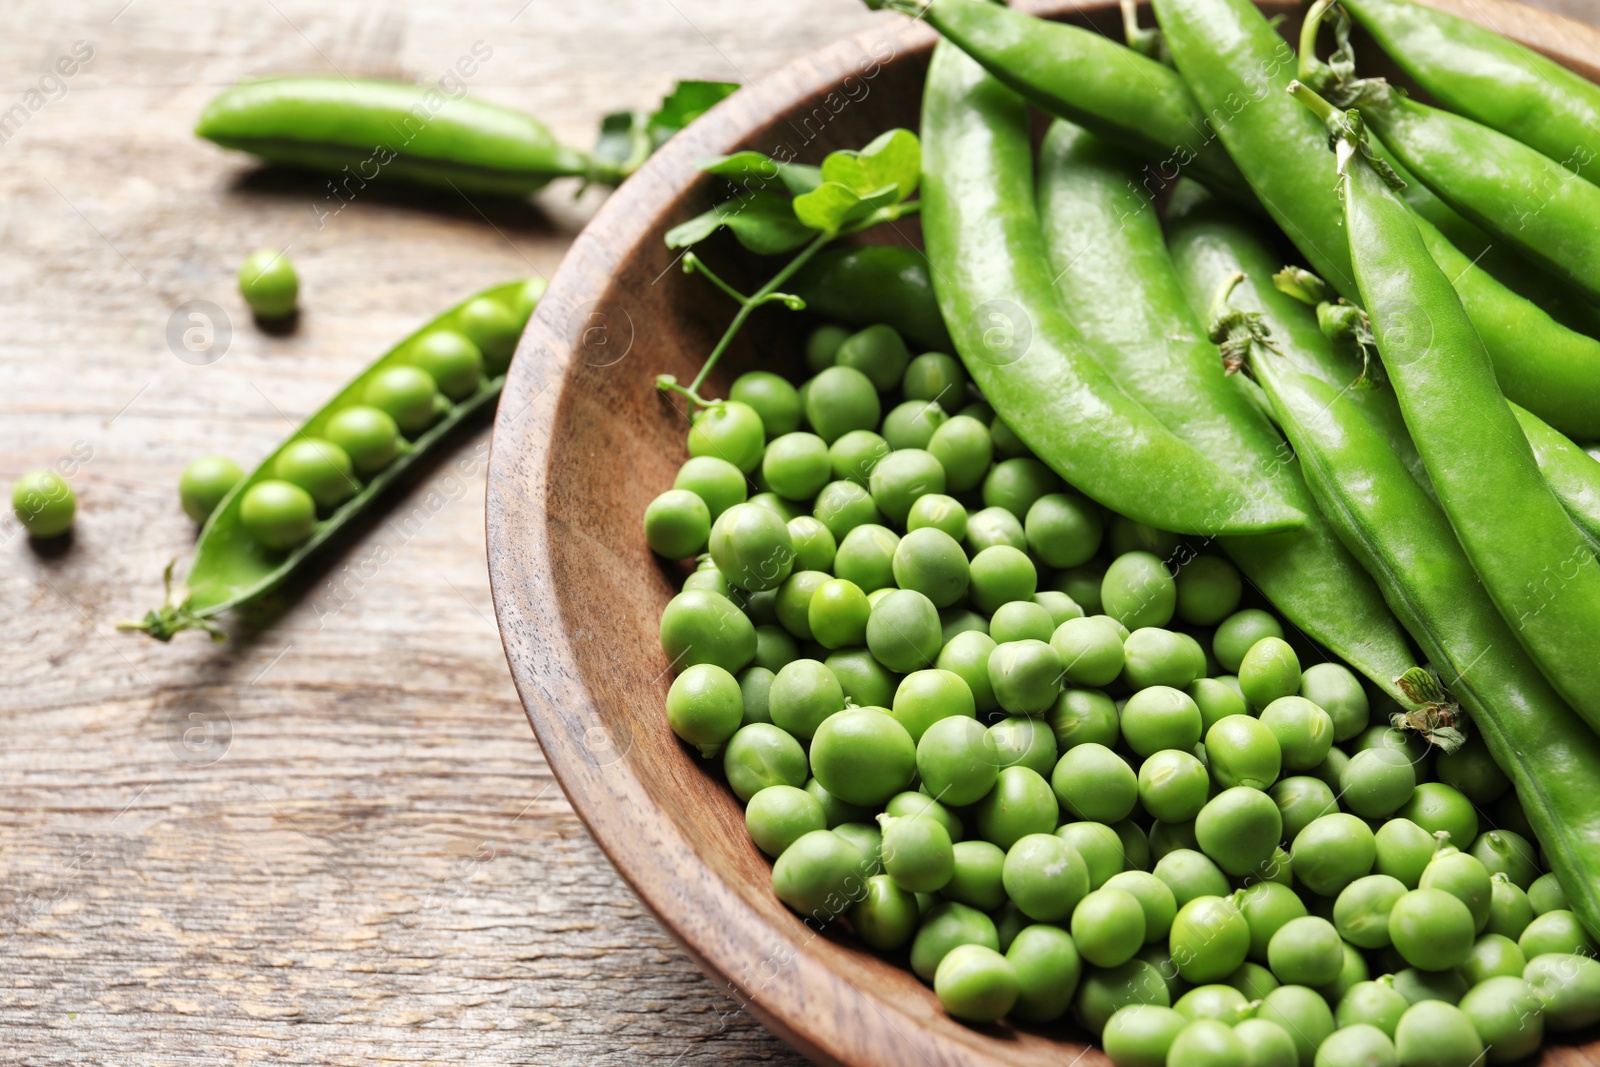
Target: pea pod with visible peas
{"points": [[1120, 288], [1079, 75], [1238, 66], [1013, 336], [1404, 538], [1536, 566], [1476, 72], [342, 458]]}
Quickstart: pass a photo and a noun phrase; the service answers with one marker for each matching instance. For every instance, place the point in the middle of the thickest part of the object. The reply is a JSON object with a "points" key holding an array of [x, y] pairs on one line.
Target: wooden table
{"points": [[333, 839]]}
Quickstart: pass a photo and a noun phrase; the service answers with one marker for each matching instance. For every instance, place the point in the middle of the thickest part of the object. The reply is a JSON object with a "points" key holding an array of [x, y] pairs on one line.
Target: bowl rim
{"points": [[818, 1012]]}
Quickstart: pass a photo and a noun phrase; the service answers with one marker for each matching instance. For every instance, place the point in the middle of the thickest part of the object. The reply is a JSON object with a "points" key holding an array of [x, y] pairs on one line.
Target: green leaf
{"points": [[623, 143], [687, 102], [833, 205], [892, 159], [763, 221], [754, 170]]}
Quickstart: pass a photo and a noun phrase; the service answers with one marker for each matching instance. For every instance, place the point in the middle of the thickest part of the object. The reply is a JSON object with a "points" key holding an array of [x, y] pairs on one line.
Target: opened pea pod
{"points": [[334, 467]]}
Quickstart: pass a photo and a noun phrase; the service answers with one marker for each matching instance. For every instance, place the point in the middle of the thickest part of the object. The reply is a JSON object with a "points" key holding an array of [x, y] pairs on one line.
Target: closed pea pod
{"points": [[982, 234], [231, 567]]}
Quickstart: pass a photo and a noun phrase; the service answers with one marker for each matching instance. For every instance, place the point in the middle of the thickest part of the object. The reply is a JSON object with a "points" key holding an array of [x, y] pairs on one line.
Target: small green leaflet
{"points": [[855, 184], [627, 138], [755, 171], [763, 221], [687, 102]]}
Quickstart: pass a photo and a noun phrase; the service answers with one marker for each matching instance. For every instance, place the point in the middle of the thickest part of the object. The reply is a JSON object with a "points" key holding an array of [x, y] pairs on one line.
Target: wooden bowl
{"points": [[583, 441]]}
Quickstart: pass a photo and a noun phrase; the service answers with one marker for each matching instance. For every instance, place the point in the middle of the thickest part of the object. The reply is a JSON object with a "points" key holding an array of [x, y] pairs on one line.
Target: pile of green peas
{"points": [[312, 476], [1045, 755]]}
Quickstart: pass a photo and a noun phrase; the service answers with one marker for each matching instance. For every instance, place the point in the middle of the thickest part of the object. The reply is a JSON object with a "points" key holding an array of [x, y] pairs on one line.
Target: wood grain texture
{"points": [[332, 840], [581, 446]]}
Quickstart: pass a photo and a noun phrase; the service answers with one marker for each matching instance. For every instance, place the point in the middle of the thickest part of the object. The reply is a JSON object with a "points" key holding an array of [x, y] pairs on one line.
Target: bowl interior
{"points": [[582, 442]]}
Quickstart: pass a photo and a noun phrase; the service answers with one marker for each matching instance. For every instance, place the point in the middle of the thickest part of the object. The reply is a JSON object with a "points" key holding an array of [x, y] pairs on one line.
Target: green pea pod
{"points": [[1404, 539], [1129, 99], [1239, 67], [1478, 73], [868, 284], [1535, 564], [1120, 288], [1517, 194], [1210, 241], [361, 128], [993, 279], [231, 568]]}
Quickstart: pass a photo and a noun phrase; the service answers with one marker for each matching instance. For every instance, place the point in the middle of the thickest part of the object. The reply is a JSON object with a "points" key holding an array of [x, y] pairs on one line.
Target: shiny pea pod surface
{"points": [[232, 567], [373, 127]]}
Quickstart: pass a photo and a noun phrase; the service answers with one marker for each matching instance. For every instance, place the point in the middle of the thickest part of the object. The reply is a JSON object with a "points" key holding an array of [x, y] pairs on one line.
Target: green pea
{"points": [[853, 456], [1168, 837], [1270, 670], [868, 840], [1160, 717], [939, 512], [802, 697], [886, 916], [860, 755], [976, 875], [1546, 894], [705, 707], [1357, 1046], [877, 352], [1508, 852], [323, 469], [992, 527], [1331, 852], [755, 685], [1267, 907], [954, 621], [714, 480], [269, 284], [1139, 591], [451, 360], [1173, 785], [1436, 1034], [780, 815], [677, 524], [1017, 484], [1303, 730], [1083, 716], [822, 346], [1102, 992], [946, 926], [1059, 606], [1463, 877], [205, 483], [1153, 656], [1190, 875], [368, 435], [278, 514], [1337, 691], [900, 478], [704, 627], [837, 614], [1020, 804], [1100, 846], [1568, 987], [1141, 1035], [1301, 800], [1218, 1002], [1209, 588], [1267, 1044], [1155, 899], [1021, 620], [1083, 585], [866, 556], [1090, 649], [917, 853], [797, 465], [1417, 985], [1253, 980], [1555, 931], [1025, 676], [1095, 783], [1404, 851], [1473, 771], [1372, 1004], [760, 756], [903, 631], [1238, 829], [494, 330], [975, 983], [925, 697], [911, 424], [1000, 574], [775, 648], [1431, 929], [820, 875], [934, 376], [1063, 529], [772, 397], [1435, 806], [1303, 1015], [1493, 955], [1362, 910], [836, 811], [1306, 951], [1209, 939], [933, 563], [1023, 741], [44, 504], [1108, 927], [752, 548], [1409, 744], [1507, 1017], [731, 431], [1046, 964], [841, 399], [1377, 783], [964, 449]]}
